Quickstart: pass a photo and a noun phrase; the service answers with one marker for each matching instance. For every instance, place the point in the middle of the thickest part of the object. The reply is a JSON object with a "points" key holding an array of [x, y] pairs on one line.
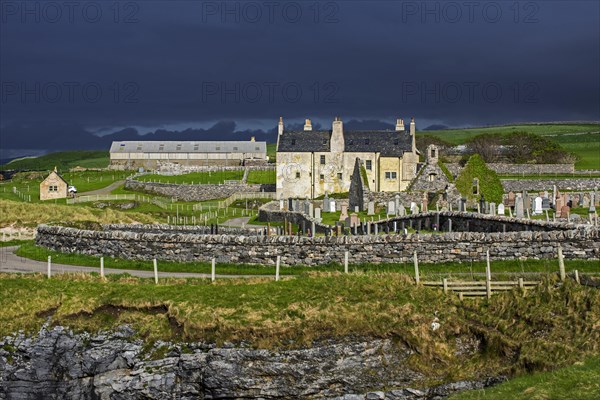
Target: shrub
{"points": [[489, 183]]}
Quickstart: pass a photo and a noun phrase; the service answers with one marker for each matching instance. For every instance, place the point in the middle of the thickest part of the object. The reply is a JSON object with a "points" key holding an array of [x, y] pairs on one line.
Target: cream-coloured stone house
{"points": [[53, 187], [312, 163]]}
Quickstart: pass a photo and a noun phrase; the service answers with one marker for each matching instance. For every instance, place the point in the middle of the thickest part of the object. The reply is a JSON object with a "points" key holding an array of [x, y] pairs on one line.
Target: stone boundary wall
{"points": [[531, 169], [580, 243], [195, 192], [577, 184], [176, 229]]}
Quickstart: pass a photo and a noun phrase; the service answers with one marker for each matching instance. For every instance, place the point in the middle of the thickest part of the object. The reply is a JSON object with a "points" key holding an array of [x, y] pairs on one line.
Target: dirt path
{"points": [[10, 262], [104, 190]]}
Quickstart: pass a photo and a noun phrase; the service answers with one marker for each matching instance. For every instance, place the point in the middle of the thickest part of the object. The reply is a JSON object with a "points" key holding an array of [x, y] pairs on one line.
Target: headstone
{"points": [[424, 202], [511, 199], [565, 211], [401, 211], [397, 202], [592, 209], [585, 200], [296, 205], [318, 214], [332, 205], [558, 203], [492, 208], [391, 208], [371, 208], [310, 210], [526, 201], [414, 208], [356, 209], [537, 206], [500, 209], [326, 204], [519, 212], [344, 213], [352, 221], [545, 203], [462, 205]]}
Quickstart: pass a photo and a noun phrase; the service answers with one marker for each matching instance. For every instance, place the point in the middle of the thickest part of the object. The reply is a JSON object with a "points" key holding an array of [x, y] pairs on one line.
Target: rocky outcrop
{"points": [[57, 364]]}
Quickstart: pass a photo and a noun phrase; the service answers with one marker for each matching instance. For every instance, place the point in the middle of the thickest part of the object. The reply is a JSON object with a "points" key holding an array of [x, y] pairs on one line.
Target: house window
{"points": [[391, 175], [161, 147], [297, 175], [139, 147], [218, 148], [340, 176], [257, 148], [293, 142], [369, 165], [196, 147], [324, 141], [178, 147], [53, 188], [235, 149], [322, 177], [322, 160]]}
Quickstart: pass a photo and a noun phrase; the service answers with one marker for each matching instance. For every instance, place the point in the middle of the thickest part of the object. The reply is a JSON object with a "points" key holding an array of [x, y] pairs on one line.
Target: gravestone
{"points": [[537, 206], [500, 209], [519, 212], [462, 205], [318, 214], [401, 211], [281, 204], [558, 203], [554, 194], [565, 211], [545, 203], [526, 200], [592, 209], [424, 202], [371, 208], [332, 205], [585, 200], [414, 208], [391, 208], [492, 208], [352, 221], [326, 205], [344, 213], [397, 202], [356, 209], [510, 201], [310, 210], [581, 196]]}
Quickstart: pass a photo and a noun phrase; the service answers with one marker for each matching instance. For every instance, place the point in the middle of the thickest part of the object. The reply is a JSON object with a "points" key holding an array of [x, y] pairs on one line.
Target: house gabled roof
{"points": [[58, 175], [388, 143]]}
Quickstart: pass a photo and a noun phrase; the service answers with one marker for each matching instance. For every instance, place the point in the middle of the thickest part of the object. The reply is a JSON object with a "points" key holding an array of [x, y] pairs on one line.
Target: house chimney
{"points": [[307, 125], [399, 124], [281, 125], [253, 139], [337, 136], [413, 134]]}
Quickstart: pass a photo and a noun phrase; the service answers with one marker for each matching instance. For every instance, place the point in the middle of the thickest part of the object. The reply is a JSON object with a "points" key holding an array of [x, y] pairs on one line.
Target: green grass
{"points": [[272, 152], [14, 242], [475, 269], [196, 178], [262, 177], [62, 160], [580, 381]]}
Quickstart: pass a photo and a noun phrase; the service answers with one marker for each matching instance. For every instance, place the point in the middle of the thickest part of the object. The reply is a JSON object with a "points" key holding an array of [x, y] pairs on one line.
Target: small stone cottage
{"points": [[53, 187]]}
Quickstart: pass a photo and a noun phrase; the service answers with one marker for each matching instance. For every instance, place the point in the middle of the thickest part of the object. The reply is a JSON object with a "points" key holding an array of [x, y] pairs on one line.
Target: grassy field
{"points": [[63, 160], [475, 270], [580, 139], [320, 306], [28, 214], [580, 381], [262, 177]]}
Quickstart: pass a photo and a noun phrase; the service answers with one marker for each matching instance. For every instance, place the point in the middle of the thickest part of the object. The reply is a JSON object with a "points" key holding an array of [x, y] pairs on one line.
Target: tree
{"points": [[487, 146], [529, 148]]}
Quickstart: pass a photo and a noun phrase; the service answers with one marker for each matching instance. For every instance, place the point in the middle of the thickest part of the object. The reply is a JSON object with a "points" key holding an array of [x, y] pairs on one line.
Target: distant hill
{"points": [[62, 160]]}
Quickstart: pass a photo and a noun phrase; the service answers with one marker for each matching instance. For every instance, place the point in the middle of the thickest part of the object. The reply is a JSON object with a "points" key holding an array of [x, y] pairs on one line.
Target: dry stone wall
{"points": [[582, 243], [531, 169], [516, 185], [195, 192]]}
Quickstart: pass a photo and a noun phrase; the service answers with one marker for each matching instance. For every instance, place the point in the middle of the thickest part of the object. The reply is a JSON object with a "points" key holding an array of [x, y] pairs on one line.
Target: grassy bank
{"points": [[434, 271], [549, 327], [62, 160], [580, 381]]}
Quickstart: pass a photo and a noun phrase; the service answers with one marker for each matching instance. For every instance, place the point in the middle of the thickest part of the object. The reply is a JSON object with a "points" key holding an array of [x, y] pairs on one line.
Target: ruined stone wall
{"points": [[195, 192], [582, 243], [531, 169]]}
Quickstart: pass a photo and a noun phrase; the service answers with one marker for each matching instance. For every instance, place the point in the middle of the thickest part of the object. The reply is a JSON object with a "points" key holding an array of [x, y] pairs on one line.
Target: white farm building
{"points": [[150, 154]]}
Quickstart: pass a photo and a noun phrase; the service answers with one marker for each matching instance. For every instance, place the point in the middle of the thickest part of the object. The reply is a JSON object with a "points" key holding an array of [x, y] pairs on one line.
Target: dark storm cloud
{"points": [[159, 64]]}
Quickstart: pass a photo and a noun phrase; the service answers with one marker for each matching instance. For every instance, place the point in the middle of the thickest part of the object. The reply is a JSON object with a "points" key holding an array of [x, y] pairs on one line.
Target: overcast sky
{"points": [[73, 71]]}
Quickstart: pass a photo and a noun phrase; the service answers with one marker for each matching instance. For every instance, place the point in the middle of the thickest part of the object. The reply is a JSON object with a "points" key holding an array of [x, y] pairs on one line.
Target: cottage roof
{"points": [[55, 173], [388, 143], [188, 147]]}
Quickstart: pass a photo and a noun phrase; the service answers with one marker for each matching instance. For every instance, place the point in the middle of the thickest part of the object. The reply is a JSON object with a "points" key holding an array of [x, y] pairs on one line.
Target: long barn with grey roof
{"points": [[312, 163], [150, 154]]}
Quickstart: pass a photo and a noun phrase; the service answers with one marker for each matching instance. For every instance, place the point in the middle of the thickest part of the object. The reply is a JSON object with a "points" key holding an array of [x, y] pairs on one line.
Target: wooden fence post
{"points": [[102, 267], [577, 276], [277, 268], [521, 285], [416, 261], [49, 267], [346, 255], [213, 270], [561, 263], [155, 271], [445, 282], [488, 276]]}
